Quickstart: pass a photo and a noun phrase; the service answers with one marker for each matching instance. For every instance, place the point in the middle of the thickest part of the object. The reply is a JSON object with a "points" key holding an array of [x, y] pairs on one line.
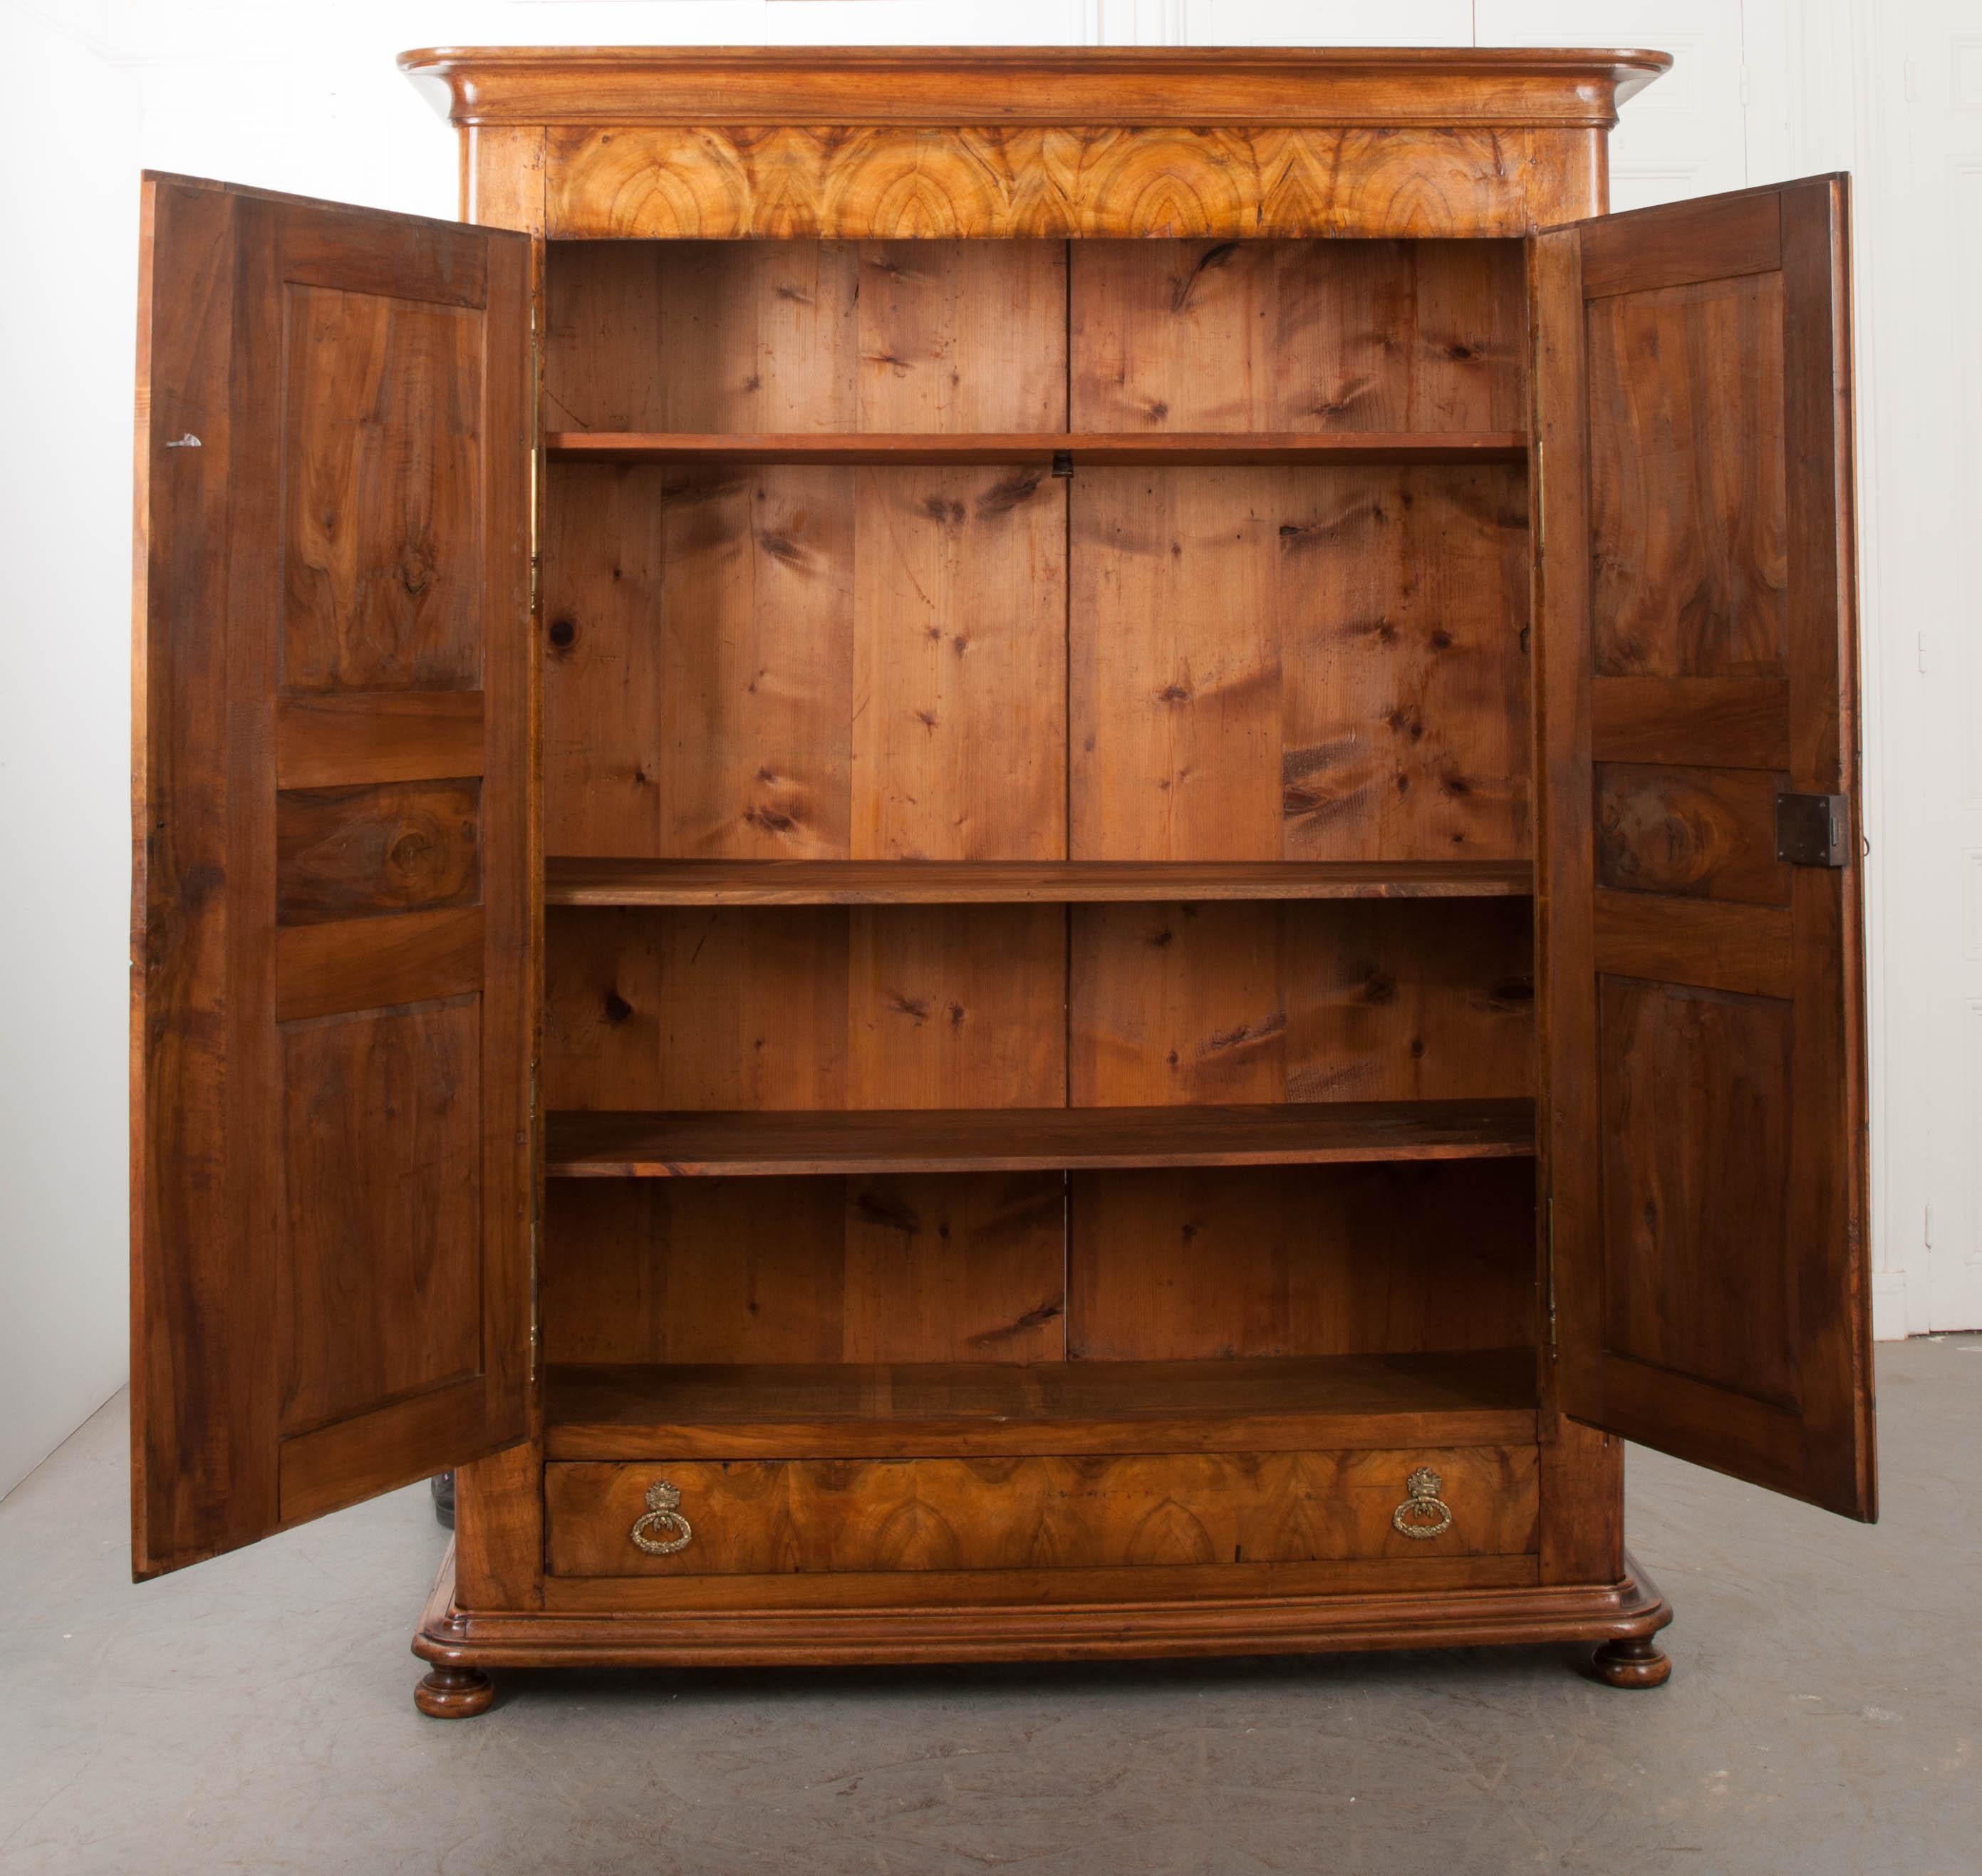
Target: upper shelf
{"points": [[1088, 449], [574, 882]]}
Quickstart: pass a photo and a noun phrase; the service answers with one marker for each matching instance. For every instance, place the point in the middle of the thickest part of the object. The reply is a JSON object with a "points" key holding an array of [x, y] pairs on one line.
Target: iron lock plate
{"points": [[1813, 830]]}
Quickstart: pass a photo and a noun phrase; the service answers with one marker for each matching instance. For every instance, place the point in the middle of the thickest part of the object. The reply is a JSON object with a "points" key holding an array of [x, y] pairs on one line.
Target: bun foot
{"points": [[454, 1693], [1638, 1662]]}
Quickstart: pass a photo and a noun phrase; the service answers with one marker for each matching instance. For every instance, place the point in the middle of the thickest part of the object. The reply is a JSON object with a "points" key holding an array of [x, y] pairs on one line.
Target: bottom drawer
{"points": [[758, 1517]]}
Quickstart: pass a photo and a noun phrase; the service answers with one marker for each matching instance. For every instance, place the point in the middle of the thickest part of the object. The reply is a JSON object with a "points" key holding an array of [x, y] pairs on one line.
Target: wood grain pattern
{"points": [[382, 580], [1315, 665], [1708, 833], [872, 1269], [1354, 1001], [574, 882], [1366, 336], [379, 1271], [932, 337], [785, 182], [796, 663], [344, 737], [863, 1007], [1688, 495], [1207, 1264], [330, 1272], [1697, 1102], [751, 1516], [394, 846]]}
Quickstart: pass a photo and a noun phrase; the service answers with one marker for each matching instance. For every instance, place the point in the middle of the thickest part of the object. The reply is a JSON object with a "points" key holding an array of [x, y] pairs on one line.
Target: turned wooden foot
{"points": [[1639, 1662], [453, 1693]]}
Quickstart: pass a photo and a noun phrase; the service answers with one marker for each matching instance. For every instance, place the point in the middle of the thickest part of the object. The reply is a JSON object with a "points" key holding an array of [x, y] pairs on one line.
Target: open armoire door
{"points": [[333, 861], [1704, 1113]]}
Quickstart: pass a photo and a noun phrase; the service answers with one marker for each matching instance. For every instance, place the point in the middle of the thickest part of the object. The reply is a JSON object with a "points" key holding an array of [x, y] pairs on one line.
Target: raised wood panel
{"points": [[365, 963], [1707, 944], [1209, 1263], [338, 738], [1359, 335], [785, 181], [803, 663], [915, 1514], [1708, 833], [1698, 1099], [1734, 722], [395, 847], [1689, 508], [804, 336], [381, 435], [863, 1007], [869, 1270], [1308, 664], [1359, 1001], [380, 1261]]}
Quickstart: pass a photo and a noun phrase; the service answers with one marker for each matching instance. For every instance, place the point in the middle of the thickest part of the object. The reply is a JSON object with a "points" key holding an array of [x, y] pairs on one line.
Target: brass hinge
{"points": [[1813, 830]]}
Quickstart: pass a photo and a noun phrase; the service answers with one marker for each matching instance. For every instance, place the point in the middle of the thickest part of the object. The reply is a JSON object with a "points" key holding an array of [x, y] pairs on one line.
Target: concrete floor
{"points": [[255, 1713]]}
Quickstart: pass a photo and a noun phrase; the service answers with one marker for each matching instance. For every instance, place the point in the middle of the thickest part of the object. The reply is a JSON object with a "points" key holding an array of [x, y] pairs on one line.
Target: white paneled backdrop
{"points": [[306, 98]]}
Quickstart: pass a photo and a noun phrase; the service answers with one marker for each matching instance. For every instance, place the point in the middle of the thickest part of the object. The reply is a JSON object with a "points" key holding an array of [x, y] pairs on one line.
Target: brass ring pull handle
{"points": [[1423, 1514], [661, 1515]]}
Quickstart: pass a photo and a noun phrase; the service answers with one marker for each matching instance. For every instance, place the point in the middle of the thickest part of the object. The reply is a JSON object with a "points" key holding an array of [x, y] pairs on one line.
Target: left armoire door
{"points": [[332, 904]]}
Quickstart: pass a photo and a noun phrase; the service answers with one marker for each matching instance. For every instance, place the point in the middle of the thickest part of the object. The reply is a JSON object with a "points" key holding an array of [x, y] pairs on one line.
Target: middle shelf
{"points": [[573, 881], [660, 1145], [1146, 449]]}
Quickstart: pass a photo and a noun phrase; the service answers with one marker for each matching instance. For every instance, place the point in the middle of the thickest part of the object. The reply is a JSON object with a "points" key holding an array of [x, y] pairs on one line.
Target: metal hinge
{"points": [[1813, 830]]}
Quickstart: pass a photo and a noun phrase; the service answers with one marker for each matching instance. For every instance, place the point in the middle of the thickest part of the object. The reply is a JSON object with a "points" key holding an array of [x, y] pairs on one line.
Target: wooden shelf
{"points": [[575, 882], [660, 1146], [1486, 1397], [1090, 449]]}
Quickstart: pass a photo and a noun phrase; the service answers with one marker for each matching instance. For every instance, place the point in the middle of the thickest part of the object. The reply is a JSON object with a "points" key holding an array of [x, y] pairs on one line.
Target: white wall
{"points": [[306, 99]]}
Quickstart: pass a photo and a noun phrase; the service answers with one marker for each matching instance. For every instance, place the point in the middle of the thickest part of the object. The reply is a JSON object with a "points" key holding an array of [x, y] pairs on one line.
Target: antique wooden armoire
{"points": [[998, 854]]}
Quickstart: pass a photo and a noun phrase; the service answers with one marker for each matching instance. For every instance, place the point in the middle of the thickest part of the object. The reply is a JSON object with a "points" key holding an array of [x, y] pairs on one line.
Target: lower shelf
{"points": [[963, 1409]]}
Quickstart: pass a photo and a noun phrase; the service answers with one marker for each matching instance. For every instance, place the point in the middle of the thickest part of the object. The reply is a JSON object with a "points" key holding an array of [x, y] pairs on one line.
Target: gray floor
{"points": [[255, 1713]]}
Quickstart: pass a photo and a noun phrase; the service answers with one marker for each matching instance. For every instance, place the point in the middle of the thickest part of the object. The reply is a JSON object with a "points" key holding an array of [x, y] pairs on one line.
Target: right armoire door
{"points": [[1701, 964]]}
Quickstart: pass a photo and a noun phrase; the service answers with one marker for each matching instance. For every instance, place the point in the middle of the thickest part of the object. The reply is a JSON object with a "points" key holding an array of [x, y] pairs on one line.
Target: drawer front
{"points": [[780, 1517]]}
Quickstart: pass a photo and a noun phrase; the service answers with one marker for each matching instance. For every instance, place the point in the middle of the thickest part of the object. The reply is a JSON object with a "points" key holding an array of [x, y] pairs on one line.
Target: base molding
{"points": [[1629, 1610]]}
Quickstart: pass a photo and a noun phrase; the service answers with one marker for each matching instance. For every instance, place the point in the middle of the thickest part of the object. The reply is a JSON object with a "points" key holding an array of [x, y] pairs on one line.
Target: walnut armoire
{"points": [[998, 854]]}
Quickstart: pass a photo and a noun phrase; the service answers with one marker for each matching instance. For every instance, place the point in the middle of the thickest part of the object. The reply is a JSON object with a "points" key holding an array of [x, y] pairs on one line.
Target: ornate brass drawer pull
{"points": [[1424, 1514], [662, 1515]]}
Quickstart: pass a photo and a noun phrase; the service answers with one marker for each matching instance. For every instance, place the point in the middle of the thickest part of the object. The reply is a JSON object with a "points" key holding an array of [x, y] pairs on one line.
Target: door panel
{"points": [[333, 864], [1703, 997]]}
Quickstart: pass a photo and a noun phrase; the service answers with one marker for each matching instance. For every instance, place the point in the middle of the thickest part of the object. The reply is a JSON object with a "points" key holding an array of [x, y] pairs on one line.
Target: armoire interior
{"points": [[919, 567]]}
